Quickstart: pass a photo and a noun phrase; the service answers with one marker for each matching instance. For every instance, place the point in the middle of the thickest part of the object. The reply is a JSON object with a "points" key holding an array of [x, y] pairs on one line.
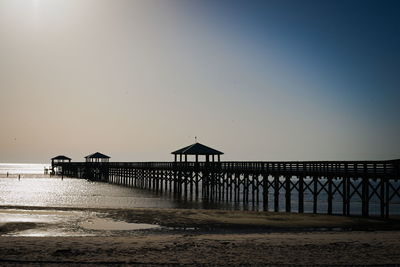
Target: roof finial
{"points": [[195, 139]]}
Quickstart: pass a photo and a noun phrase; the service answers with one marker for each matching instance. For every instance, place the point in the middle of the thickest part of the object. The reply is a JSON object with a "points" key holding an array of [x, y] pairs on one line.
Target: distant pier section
{"points": [[278, 186]]}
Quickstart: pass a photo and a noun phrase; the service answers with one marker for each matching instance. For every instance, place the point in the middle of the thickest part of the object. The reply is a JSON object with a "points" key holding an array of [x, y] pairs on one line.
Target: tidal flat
{"points": [[185, 237]]}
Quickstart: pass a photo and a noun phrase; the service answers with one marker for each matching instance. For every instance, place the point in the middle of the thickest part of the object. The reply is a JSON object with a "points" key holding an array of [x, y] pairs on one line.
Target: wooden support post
{"points": [[227, 186], [315, 194], [130, 177], [344, 187], [126, 176], [185, 182], [265, 191], [161, 179], [191, 177], [235, 189], [382, 197], [330, 195], [221, 182], [348, 181], [196, 182], [257, 188], [276, 193], [230, 187], [288, 205], [301, 194], [365, 197], [246, 188], [387, 198], [171, 177]]}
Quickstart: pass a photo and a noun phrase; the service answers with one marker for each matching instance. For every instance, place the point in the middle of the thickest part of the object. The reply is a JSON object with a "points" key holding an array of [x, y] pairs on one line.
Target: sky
{"points": [[257, 80]]}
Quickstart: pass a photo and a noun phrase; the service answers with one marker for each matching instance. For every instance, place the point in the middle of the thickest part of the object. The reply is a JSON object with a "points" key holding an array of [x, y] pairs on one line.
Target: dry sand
{"points": [[316, 248], [221, 238]]}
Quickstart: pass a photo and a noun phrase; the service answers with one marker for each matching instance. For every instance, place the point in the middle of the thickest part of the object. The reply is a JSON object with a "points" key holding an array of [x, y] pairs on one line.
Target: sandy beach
{"points": [[306, 248], [207, 238]]}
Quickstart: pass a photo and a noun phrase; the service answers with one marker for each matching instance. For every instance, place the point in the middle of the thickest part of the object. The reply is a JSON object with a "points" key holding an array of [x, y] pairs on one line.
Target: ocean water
{"points": [[36, 189], [17, 168], [39, 190]]}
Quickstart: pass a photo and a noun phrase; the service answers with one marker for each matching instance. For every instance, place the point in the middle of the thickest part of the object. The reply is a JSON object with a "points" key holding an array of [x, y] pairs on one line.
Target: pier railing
{"points": [[389, 168]]}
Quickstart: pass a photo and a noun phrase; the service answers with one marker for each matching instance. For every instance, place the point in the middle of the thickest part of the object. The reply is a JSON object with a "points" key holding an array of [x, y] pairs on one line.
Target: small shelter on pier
{"points": [[97, 158], [60, 159], [56, 164], [197, 149]]}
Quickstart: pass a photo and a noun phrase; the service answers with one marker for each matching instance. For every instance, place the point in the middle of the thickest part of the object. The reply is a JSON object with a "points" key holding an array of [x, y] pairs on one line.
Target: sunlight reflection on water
{"points": [[16, 222], [54, 192], [16, 168]]}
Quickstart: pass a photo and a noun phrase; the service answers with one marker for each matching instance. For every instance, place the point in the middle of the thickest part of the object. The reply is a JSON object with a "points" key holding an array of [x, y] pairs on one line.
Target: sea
{"points": [[35, 189]]}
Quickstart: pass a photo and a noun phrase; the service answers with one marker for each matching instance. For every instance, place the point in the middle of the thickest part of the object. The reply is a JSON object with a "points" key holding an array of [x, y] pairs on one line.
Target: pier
{"points": [[286, 185]]}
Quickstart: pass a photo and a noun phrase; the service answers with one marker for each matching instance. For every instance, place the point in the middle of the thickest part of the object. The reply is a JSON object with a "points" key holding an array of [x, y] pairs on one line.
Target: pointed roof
{"points": [[61, 157], [97, 155], [197, 149]]}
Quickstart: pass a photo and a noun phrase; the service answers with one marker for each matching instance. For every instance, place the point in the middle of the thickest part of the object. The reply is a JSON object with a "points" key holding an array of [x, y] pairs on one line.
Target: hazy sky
{"points": [[267, 80]]}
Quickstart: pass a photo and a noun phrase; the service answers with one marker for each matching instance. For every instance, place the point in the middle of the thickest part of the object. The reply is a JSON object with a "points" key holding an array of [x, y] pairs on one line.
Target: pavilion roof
{"points": [[97, 155], [197, 149], [61, 157]]}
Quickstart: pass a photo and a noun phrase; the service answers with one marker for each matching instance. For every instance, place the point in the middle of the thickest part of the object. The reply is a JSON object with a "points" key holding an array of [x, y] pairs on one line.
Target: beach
{"points": [[305, 248], [207, 238]]}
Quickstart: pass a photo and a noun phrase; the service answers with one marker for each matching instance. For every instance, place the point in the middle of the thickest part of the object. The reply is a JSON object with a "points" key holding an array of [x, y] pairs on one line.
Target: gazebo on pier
{"points": [[197, 150], [56, 163], [97, 158], [60, 159]]}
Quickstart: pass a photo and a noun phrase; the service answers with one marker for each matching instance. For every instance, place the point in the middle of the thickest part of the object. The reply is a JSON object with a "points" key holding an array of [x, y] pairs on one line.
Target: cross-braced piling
{"points": [[332, 187]]}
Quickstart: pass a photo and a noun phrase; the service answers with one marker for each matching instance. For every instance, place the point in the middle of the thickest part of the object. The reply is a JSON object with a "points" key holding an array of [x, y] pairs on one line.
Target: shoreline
{"points": [[209, 238], [228, 220]]}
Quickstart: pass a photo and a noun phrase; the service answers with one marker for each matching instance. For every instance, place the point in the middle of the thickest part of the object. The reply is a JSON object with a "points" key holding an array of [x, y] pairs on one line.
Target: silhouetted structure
{"points": [[197, 150], [60, 159], [351, 183], [97, 158], [96, 167], [56, 161]]}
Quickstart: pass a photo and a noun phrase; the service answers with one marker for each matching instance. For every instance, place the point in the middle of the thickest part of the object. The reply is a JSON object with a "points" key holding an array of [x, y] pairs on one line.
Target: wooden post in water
{"points": [[365, 196], [265, 192], [348, 194], [387, 198], [344, 196], [301, 194], [276, 193], [288, 205], [330, 194], [315, 193], [382, 197]]}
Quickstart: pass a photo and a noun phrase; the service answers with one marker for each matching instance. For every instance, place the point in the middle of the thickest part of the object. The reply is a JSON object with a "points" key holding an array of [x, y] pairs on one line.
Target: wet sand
{"points": [[302, 248], [211, 238]]}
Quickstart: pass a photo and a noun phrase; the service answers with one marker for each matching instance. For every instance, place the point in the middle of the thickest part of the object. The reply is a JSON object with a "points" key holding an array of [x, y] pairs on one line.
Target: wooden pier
{"points": [[286, 186]]}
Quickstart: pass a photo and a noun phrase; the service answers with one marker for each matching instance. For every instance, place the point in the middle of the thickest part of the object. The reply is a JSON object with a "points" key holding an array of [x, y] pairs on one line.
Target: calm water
{"points": [[16, 168], [42, 191], [53, 192]]}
